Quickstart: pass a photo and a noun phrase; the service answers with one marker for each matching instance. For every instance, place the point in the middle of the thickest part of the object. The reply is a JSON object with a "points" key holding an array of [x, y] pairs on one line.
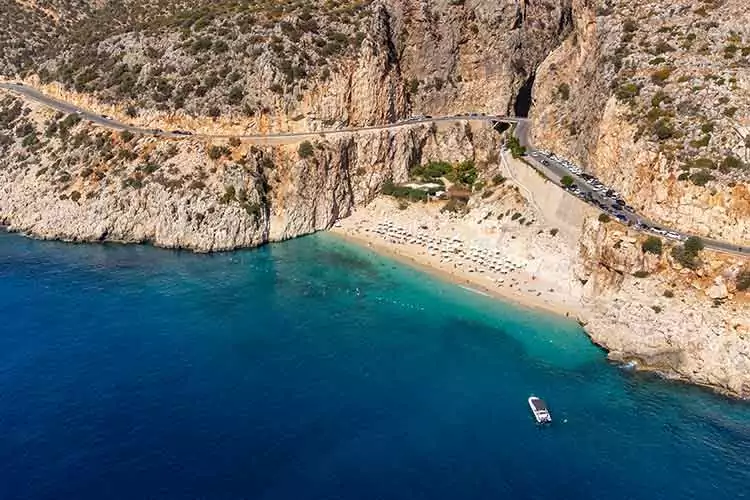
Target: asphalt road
{"points": [[553, 169], [110, 123]]}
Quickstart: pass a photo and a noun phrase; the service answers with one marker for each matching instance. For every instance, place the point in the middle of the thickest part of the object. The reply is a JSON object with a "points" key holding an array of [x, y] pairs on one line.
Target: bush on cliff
{"points": [[652, 245], [432, 171], [743, 280], [515, 147], [305, 150], [687, 253]]}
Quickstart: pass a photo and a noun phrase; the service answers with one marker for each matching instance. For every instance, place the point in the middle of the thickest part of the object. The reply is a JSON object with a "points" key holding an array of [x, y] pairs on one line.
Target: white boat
{"points": [[539, 409]]}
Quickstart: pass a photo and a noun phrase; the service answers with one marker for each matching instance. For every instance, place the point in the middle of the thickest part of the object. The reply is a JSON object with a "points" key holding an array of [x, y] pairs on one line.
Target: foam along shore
{"points": [[477, 255]]}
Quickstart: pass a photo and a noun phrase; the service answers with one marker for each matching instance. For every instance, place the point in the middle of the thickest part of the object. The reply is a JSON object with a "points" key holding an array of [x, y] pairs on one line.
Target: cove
{"points": [[316, 369]]}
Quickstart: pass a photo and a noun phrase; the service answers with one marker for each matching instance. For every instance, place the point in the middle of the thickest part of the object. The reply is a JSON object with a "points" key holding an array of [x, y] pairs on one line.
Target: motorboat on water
{"points": [[540, 411]]}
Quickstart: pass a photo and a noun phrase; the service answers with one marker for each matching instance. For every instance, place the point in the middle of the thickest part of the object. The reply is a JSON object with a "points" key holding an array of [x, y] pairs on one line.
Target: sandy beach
{"points": [[506, 261]]}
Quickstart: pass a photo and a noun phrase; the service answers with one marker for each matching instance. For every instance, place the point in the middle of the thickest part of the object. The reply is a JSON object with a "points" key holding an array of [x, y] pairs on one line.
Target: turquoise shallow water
{"points": [[314, 369]]}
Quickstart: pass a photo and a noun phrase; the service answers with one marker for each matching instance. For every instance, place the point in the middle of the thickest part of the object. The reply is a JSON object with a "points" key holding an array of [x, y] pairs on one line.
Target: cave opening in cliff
{"points": [[522, 106]]}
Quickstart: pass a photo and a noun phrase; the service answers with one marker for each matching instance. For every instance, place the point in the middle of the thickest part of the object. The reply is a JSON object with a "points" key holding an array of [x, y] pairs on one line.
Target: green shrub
{"points": [[729, 163], [662, 47], [663, 129], [652, 245], [604, 218], [432, 171], [668, 294], [687, 253], [229, 194], [126, 135], [627, 91], [660, 76], [216, 152], [516, 150], [640, 274], [694, 245], [236, 94], [701, 177], [566, 181], [743, 280], [464, 173], [498, 179], [305, 150], [563, 90], [702, 142], [403, 192]]}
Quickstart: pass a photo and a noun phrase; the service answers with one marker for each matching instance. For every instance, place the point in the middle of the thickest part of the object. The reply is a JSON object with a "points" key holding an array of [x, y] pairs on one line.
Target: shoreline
{"points": [[463, 280]]}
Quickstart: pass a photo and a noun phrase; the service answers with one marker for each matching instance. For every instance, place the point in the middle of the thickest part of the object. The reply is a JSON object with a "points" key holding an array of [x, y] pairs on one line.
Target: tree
{"points": [[566, 181], [126, 135], [236, 94], [743, 280], [687, 253], [694, 245], [216, 152], [563, 90], [652, 245], [515, 147], [305, 150]]}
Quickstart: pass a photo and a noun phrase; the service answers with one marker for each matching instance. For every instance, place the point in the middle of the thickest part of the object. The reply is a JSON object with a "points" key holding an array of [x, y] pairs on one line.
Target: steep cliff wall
{"points": [[646, 308], [653, 98], [63, 179]]}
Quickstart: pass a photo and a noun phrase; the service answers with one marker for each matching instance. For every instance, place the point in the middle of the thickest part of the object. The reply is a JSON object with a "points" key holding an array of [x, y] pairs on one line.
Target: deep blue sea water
{"points": [[314, 369]]}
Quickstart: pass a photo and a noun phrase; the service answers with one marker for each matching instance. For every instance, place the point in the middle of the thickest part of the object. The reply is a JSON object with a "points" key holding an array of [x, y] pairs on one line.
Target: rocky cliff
{"points": [[646, 308], [653, 98], [63, 179]]}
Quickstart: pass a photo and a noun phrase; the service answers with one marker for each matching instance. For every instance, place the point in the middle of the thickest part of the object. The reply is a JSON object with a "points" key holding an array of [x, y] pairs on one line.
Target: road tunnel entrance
{"points": [[522, 106]]}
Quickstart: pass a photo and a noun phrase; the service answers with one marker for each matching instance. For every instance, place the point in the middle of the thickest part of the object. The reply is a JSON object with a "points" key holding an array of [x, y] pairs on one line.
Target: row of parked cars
{"points": [[617, 206]]}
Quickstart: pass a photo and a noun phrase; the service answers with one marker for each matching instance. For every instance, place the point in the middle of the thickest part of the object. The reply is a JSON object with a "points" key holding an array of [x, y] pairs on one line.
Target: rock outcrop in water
{"points": [[687, 324]]}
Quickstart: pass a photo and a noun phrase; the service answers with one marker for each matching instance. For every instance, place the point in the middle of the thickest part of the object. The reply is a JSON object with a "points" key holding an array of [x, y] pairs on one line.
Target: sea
{"points": [[316, 369]]}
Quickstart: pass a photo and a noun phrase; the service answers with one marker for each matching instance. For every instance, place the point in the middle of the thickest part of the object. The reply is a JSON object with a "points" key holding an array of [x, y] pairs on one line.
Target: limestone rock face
{"points": [[678, 322], [719, 289], [627, 96], [203, 196]]}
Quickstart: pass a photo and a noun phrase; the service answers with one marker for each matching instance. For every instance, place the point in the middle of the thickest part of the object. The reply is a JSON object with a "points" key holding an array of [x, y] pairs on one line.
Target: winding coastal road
{"points": [[537, 159], [110, 123]]}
